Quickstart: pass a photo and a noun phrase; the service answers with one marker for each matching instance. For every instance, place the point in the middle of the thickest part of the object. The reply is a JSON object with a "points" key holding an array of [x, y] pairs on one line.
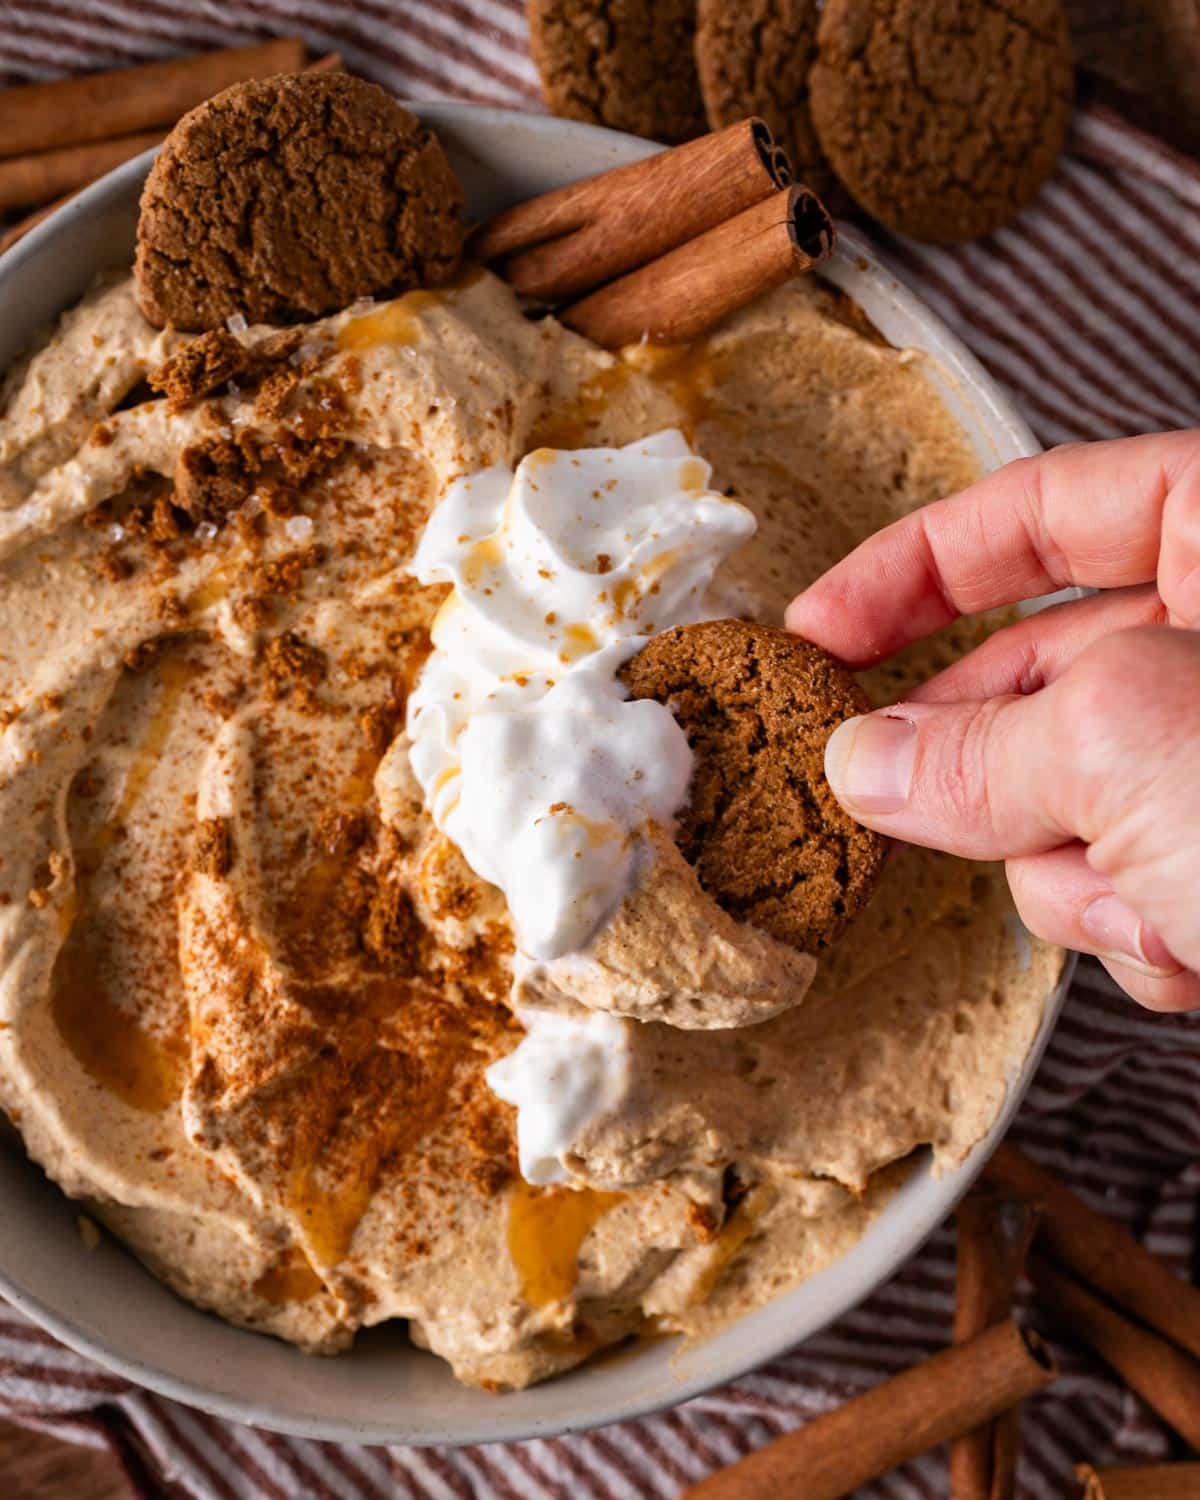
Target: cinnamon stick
{"points": [[17, 232], [1167, 1379], [580, 236], [689, 290], [939, 1399], [1146, 1482], [49, 174], [98, 106], [994, 1235], [331, 62], [1100, 1252]]}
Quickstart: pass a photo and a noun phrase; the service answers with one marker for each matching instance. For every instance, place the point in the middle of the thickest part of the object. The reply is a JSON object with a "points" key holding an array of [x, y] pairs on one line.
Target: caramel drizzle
{"points": [[546, 1231], [686, 372], [124, 1058]]}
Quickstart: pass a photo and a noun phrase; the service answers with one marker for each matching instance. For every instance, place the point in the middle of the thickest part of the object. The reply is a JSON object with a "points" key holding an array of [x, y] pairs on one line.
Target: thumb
{"points": [[978, 779], [1108, 754]]}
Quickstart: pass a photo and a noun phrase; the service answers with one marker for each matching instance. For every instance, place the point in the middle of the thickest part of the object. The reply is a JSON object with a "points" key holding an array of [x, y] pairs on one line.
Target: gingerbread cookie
{"points": [[623, 63], [290, 197], [762, 829], [753, 59], [942, 120]]}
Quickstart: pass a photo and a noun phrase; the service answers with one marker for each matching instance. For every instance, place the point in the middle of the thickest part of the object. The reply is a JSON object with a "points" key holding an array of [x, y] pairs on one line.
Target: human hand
{"points": [[1068, 744]]}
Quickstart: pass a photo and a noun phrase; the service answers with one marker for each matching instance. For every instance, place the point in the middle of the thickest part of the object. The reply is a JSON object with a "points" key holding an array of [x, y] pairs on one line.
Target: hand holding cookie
{"points": [[1068, 744]]}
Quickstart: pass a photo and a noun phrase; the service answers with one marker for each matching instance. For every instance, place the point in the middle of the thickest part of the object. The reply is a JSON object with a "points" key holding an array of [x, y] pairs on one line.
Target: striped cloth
{"points": [[1088, 310]]}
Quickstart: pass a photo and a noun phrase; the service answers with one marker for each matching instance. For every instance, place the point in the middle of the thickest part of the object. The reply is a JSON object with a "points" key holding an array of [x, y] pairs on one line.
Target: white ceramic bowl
{"points": [[104, 1304]]}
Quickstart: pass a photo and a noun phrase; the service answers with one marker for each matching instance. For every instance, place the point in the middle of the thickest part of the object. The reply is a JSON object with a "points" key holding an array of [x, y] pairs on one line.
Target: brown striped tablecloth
{"points": [[1088, 310]]}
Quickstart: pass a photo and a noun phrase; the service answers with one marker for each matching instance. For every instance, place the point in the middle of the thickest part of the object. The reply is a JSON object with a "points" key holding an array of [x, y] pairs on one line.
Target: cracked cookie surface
{"points": [[753, 59], [623, 63], [290, 197], [943, 120], [762, 828]]}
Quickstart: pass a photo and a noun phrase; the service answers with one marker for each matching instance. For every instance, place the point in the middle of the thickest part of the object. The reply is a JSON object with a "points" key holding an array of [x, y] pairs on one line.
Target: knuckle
{"points": [[1128, 705], [1179, 556], [1144, 674], [1093, 712], [964, 769]]}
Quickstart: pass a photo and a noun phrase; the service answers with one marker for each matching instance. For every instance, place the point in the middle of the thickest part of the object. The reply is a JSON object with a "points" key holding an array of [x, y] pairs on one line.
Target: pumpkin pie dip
{"points": [[252, 989]]}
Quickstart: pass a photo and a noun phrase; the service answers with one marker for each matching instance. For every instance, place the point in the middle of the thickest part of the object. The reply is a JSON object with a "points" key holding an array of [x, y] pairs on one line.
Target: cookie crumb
{"points": [[290, 664], [199, 368], [213, 478]]}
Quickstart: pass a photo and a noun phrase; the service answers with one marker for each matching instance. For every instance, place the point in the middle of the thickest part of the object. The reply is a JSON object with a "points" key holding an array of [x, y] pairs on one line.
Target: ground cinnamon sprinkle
{"points": [[324, 414], [340, 832], [355, 1058], [392, 933], [212, 853]]}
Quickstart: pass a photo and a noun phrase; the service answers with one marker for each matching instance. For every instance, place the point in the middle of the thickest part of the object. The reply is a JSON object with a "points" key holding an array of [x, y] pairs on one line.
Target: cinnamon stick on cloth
{"points": [[689, 290], [994, 1235], [577, 237], [26, 180], [98, 106], [1164, 1377], [939, 1399], [1100, 1252], [17, 232], [1150, 1482]]}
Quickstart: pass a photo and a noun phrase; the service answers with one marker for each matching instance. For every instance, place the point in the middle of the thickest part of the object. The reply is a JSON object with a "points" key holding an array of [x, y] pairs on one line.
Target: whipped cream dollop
{"points": [[531, 756], [566, 1072]]}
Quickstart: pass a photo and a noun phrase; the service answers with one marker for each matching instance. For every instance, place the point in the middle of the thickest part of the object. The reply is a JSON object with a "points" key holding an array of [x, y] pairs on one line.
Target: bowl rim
{"points": [[1001, 416]]}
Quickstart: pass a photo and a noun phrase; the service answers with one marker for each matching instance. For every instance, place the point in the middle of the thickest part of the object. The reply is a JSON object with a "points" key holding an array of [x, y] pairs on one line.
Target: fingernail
{"points": [[1118, 932], [869, 763]]}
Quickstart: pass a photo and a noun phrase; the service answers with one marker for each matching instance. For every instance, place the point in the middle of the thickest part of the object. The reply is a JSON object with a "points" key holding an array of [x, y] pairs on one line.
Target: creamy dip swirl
{"points": [[250, 992]]}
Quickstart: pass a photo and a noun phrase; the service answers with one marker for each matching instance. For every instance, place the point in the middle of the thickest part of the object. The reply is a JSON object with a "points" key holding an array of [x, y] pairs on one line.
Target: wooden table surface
{"points": [[1120, 40]]}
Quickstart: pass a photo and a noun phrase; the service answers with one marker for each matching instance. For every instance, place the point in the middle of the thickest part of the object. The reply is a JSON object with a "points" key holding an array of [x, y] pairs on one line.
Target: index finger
{"points": [[1086, 514]]}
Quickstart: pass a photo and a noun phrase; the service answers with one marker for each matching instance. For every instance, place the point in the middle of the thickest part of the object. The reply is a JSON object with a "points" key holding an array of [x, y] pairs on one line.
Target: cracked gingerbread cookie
{"points": [[290, 197], [753, 59], [762, 828], [623, 63], [942, 120]]}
